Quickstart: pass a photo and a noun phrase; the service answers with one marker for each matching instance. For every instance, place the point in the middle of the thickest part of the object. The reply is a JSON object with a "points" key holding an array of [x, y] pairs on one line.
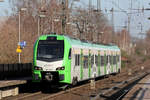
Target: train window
{"points": [[96, 60], [50, 50], [102, 60], [118, 58], [77, 60], [92, 60], [107, 59], [85, 61], [111, 59], [114, 60]]}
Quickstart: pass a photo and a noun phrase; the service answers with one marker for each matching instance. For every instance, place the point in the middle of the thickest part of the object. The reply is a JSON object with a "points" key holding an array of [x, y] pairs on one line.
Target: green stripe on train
{"points": [[99, 70], [81, 66], [105, 62], [89, 63]]}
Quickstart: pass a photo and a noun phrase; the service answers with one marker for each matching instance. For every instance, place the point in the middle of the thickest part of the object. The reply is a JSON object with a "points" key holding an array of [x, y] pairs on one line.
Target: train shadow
{"points": [[31, 87], [46, 87]]}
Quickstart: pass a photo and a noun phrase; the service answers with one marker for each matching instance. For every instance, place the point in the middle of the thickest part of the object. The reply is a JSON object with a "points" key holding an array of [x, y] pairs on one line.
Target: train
{"points": [[62, 59]]}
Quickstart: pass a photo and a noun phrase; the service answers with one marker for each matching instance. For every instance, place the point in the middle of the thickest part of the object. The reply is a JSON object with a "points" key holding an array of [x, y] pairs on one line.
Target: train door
{"points": [[85, 64], [75, 65], [108, 66], [113, 62], [102, 62], [116, 61], [93, 65], [119, 61]]}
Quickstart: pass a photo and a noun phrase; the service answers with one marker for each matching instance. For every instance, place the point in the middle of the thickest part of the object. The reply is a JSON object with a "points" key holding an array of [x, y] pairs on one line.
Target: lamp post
{"points": [[39, 17], [22, 9], [101, 34], [55, 20]]}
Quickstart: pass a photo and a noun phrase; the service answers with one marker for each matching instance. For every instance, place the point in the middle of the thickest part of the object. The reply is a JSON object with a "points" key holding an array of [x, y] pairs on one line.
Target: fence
{"points": [[9, 71]]}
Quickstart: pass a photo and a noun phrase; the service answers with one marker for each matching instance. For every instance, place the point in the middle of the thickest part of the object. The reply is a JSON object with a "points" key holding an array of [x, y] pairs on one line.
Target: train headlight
{"points": [[38, 68], [61, 68]]}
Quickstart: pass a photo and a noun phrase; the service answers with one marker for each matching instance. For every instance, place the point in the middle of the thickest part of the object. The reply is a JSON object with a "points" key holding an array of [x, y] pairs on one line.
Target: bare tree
{"points": [[93, 27]]}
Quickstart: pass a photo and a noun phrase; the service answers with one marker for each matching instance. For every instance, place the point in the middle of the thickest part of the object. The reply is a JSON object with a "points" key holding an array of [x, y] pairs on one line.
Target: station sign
{"points": [[20, 46], [18, 50]]}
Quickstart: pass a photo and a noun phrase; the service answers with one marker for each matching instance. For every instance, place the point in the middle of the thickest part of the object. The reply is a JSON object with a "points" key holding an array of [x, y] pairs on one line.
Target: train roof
{"points": [[79, 43], [84, 44]]}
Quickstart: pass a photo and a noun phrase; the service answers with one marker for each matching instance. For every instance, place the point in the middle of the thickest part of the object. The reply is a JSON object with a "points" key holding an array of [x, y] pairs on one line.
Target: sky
{"points": [[138, 18], [4, 8]]}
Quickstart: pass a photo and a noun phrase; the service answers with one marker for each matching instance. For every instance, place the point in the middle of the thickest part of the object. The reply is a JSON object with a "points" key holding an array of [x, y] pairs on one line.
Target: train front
{"points": [[48, 59]]}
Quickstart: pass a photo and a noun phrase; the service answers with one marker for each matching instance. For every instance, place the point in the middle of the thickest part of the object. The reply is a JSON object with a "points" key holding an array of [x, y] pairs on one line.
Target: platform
{"points": [[10, 87], [13, 82], [141, 91]]}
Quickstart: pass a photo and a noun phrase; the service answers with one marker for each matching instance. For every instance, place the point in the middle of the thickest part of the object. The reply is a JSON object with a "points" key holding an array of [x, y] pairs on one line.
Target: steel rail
{"points": [[126, 82]]}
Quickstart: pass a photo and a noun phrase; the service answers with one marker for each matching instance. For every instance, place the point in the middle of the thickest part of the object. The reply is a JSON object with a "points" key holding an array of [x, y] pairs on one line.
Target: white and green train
{"points": [[67, 60]]}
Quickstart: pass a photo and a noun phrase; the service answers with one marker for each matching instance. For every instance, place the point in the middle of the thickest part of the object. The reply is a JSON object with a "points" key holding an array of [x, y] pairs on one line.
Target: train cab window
{"points": [[50, 50], [102, 60]]}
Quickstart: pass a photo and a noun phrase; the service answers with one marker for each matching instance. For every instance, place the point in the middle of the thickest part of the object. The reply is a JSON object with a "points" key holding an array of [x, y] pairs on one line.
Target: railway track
{"points": [[39, 95], [44, 96], [83, 92], [118, 91]]}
